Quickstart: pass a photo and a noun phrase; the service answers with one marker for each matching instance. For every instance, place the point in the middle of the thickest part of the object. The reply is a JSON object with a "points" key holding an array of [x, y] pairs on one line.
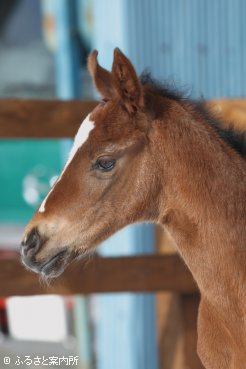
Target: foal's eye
{"points": [[105, 164]]}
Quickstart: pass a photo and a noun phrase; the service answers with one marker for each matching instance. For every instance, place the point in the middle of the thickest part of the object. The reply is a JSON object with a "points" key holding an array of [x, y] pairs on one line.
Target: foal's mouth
{"points": [[51, 268], [55, 265]]}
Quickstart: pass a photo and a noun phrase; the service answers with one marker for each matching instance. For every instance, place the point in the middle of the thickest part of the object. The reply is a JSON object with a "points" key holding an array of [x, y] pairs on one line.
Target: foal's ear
{"points": [[126, 82], [101, 77]]}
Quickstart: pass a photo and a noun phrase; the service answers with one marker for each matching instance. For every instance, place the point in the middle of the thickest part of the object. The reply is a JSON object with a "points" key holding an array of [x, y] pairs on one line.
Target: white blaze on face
{"points": [[82, 135]]}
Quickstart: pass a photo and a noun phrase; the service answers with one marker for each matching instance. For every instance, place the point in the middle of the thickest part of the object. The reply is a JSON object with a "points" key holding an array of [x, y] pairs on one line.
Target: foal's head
{"points": [[109, 180]]}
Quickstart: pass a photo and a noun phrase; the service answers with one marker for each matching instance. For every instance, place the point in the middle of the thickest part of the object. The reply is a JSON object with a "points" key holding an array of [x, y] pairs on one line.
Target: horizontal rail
{"points": [[59, 119], [231, 111], [148, 273], [42, 118]]}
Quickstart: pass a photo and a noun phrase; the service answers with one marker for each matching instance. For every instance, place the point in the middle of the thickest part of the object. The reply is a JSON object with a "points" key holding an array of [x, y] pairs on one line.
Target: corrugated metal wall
{"points": [[201, 44]]}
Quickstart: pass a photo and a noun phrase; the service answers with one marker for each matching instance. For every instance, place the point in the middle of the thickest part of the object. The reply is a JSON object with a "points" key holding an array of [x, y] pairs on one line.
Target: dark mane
{"points": [[232, 136], [166, 89]]}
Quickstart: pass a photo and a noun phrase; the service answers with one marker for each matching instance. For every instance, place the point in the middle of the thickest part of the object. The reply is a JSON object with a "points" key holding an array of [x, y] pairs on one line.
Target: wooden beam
{"points": [[42, 118], [231, 111], [190, 305], [148, 273], [59, 119]]}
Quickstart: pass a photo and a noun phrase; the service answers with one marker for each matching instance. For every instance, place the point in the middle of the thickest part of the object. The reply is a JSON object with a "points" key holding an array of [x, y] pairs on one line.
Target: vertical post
{"points": [[67, 50], [190, 304]]}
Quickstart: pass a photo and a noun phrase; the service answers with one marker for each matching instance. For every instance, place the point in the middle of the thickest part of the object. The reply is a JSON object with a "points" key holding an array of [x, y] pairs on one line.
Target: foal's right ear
{"points": [[126, 82], [101, 77]]}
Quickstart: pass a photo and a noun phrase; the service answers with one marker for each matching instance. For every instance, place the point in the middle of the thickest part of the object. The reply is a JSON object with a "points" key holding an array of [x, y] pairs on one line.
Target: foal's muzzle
{"points": [[51, 266], [31, 244]]}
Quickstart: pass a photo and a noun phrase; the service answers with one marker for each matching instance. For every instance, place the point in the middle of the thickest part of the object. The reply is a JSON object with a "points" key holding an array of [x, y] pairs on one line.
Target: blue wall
{"points": [[198, 43]]}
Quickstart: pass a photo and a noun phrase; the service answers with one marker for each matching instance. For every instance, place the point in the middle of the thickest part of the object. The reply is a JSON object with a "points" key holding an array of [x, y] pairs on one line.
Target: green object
{"points": [[22, 161]]}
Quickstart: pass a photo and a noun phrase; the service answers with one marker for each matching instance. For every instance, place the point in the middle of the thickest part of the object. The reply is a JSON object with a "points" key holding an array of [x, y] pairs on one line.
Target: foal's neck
{"points": [[203, 204]]}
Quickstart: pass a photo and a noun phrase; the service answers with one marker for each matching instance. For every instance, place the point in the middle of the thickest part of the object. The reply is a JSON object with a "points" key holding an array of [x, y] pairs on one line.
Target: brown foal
{"points": [[147, 154]]}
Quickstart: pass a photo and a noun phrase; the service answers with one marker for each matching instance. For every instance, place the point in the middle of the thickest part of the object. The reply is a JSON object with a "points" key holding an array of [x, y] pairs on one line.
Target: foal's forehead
{"points": [[112, 122]]}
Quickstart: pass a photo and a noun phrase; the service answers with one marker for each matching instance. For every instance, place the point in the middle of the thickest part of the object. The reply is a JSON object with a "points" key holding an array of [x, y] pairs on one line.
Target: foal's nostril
{"points": [[31, 243]]}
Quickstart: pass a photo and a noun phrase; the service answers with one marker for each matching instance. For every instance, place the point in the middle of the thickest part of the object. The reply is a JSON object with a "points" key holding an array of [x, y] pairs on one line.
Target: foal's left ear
{"points": [[101, 77], [126, 82]]}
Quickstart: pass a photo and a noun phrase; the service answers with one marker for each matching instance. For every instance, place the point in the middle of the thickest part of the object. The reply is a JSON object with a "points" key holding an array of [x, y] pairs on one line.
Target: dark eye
{"points": [[105, 164]]}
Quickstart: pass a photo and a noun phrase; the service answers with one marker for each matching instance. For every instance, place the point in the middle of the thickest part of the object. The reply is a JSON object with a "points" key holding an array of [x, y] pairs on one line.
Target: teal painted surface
{"points": [[18, 158]]}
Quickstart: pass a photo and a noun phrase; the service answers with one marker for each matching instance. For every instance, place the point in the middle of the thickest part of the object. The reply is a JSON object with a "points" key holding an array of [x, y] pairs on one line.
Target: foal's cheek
{"points": [[91, 194]]}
